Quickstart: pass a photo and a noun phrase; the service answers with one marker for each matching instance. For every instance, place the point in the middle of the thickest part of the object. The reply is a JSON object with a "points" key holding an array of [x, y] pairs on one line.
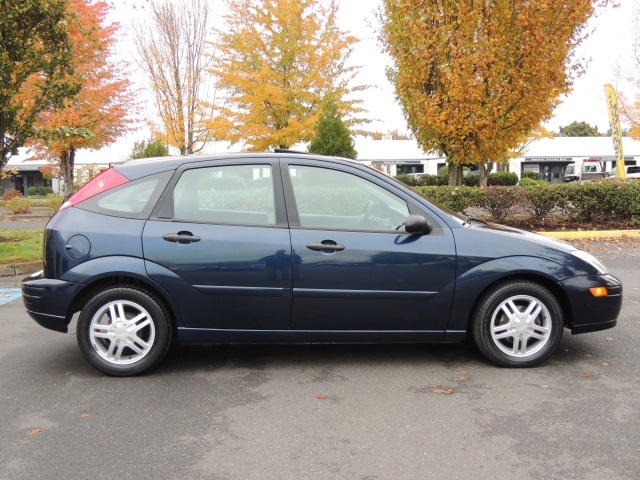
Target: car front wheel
{"points": [[123, 331], [518, 324]]}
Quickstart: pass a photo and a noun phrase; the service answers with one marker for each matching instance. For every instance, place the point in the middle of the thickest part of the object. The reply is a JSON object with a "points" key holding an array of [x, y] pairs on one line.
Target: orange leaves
{"points": [[443, 391], [104, 101], [475, 78], [276, 60]]}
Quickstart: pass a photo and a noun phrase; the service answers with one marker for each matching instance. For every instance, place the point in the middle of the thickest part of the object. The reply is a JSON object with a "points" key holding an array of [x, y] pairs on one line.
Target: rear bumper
{"points": [[48, 301], [589, 313]]}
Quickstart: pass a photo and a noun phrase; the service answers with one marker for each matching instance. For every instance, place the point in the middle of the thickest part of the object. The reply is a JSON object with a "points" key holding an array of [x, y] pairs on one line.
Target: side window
{"points": [[332, 199], [227, 194], [134, 199]]}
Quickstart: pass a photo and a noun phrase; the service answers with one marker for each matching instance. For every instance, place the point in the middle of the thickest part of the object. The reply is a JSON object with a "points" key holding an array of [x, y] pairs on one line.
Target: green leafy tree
{"points": [[35, 58], [579, 129], [332, 136], [152, 148]]}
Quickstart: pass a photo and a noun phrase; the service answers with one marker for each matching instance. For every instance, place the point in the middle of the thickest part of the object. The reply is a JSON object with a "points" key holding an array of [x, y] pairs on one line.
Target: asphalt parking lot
{"points": [[343, 412]]}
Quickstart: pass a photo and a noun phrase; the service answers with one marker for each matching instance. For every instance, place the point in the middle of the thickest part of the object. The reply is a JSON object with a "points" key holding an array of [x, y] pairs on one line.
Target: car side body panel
{"points": [[69, 243]]}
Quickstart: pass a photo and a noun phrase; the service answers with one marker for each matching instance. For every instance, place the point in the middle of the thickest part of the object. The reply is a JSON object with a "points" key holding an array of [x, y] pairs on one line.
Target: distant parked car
{"points": [[295, 248], [631, 171]]}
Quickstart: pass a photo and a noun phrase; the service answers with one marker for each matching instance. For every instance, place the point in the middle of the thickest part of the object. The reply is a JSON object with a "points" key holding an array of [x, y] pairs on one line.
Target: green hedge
{"points": [[605, 199]]}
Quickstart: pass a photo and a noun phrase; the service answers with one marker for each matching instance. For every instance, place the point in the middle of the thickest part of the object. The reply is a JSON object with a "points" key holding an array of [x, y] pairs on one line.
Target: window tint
{"points": [[226, 194], [633, 169], [334, 199]]}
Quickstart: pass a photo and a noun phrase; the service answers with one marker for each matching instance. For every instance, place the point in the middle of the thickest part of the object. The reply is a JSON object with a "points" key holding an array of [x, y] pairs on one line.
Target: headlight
{"points": [[591, 260]]}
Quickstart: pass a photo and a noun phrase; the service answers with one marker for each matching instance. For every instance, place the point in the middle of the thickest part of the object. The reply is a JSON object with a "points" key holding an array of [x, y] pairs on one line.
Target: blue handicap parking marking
{"points": [[9, 294]]}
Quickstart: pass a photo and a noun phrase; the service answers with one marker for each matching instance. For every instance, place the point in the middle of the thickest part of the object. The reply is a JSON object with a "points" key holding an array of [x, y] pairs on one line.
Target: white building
{"points": [[548, 156]]}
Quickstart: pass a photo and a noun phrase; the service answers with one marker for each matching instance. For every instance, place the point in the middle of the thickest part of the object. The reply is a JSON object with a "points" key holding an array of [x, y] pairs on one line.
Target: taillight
{"points": [[102, 182]]}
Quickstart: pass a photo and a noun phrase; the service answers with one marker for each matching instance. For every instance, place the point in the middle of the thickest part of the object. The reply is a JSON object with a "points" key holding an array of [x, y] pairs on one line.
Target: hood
{"points": [[523, 235]]}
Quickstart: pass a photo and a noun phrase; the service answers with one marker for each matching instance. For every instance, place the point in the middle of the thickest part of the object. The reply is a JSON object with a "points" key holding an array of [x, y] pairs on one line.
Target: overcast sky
{"points": [[609, 47]]}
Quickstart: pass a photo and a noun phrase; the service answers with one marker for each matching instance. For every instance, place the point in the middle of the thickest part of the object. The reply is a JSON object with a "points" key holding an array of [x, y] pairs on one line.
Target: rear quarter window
{"points": [[134, 199]]}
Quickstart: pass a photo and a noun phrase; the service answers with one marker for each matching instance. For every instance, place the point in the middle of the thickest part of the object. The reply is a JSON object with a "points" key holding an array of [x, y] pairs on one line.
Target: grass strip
{"points": [[20, 245]]}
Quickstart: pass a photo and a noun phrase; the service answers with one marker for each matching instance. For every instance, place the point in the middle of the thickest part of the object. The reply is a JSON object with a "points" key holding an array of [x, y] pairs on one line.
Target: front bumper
{"points": [[48, 301], [589, 313]]}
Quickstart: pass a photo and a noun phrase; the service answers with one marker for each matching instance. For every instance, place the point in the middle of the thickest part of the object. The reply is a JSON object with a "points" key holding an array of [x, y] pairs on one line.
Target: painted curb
{"points": [[573, 235], [25, 268]]}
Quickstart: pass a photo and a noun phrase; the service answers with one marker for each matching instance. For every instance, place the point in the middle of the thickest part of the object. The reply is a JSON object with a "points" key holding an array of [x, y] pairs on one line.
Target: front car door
{"points": [[354, 266], [219, 243]]}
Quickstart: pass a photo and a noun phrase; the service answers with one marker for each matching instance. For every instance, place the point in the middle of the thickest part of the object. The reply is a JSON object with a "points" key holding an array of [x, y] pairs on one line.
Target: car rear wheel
{"points": [[123, 331], [518, 324]]}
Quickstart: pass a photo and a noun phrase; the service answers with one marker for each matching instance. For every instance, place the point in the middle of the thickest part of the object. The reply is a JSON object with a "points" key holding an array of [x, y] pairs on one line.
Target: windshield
{"points": [[571, 169]]}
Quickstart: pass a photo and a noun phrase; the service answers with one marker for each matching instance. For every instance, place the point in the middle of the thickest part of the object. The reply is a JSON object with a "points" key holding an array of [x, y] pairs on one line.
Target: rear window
{"points": [[135, 199]]}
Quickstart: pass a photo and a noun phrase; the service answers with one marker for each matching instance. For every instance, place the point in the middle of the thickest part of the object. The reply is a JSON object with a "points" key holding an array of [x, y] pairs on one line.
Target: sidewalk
{"points": [[39, 223]]}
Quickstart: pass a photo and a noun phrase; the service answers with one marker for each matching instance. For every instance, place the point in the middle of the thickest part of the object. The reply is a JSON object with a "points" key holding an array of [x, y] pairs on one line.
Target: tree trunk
{"points": [[484, 169], [67, 160], [455, 175]]}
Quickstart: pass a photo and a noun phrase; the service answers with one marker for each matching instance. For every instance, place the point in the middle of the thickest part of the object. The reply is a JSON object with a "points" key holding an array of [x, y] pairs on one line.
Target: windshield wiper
{"points": [[470, 219]]}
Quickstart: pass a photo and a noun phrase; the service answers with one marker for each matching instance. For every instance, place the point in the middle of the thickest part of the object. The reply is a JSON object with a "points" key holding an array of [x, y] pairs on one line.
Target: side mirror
{"points": [[416, 224]]}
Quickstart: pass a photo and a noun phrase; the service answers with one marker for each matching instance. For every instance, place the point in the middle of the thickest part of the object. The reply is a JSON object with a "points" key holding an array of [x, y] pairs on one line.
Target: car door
{"points": [[219, 244], [354, 266]]}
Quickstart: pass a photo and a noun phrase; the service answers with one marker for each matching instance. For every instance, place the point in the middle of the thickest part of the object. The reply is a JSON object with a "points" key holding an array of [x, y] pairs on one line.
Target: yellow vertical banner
{"points": [[616, 133]]}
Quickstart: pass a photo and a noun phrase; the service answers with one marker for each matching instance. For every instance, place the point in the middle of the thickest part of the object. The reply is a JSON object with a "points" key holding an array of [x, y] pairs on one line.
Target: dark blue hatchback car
{"points": [[294, 248]]}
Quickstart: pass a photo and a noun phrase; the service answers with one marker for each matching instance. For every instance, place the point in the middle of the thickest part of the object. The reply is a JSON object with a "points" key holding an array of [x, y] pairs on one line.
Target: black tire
{"points": [[123, 331], [517, 324]]}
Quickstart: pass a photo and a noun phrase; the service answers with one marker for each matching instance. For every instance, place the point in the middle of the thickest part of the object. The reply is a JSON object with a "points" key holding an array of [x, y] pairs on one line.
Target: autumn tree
{"points": [[100, 112], [171, 45], [475, 77], [332, 137], [275, 61], [35, 56]]}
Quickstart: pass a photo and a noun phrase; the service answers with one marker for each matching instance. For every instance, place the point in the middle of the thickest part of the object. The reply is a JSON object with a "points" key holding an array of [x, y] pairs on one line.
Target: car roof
{"points": [[138, 168]]}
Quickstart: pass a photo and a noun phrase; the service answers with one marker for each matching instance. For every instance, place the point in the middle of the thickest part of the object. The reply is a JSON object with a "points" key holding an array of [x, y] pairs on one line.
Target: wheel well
{"points": [[120, 281], [550, 285]]}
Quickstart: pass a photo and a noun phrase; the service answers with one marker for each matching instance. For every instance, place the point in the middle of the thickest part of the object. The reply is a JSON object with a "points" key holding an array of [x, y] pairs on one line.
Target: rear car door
{"points": [[354, 266], [219, 244]]}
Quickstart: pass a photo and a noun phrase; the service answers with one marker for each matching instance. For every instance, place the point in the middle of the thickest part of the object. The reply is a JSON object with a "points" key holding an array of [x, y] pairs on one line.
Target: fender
{"points": [[471, 284], [92, 271]]}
